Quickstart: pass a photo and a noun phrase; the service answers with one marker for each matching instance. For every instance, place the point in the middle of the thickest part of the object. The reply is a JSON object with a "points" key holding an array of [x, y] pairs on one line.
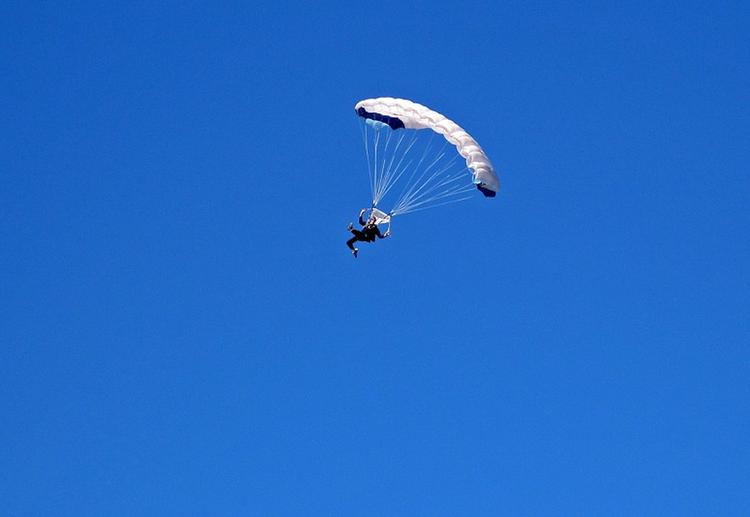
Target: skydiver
{"points": [[368, 233]]}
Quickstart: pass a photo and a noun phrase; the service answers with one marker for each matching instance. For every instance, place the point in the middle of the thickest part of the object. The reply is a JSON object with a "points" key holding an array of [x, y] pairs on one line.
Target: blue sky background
{"points": [[183, 331]]}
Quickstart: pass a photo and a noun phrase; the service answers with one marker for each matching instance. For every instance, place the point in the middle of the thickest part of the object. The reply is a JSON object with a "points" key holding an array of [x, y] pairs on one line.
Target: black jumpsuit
{"points": [[366, 234]]}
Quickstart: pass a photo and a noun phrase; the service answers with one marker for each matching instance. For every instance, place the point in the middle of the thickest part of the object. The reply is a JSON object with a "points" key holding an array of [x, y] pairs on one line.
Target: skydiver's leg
{"points": [[350, 243], [357, 236]]}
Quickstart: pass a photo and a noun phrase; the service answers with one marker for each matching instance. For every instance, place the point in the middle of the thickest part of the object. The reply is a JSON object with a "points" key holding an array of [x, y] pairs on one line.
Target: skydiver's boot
{"points": [[355, 251]]}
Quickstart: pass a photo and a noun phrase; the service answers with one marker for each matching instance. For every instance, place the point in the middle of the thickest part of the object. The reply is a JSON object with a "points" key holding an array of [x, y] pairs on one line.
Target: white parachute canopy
{"points": [[429, 168]]}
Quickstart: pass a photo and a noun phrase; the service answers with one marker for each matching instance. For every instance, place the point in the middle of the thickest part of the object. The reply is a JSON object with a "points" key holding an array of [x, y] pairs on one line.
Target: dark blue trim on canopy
{"points": [[487, 192], [393, 122]]}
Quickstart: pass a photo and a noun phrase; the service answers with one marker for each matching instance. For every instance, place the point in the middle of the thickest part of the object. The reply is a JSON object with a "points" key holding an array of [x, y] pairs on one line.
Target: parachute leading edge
{"points": [[487, 192], [393, 122]]}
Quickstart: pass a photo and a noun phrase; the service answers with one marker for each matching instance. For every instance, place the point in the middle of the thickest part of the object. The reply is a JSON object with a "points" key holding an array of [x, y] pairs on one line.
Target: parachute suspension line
{"points": [[382, 176], [394, 173], [452, 185], [434, 205], [373, 163], [410, 181], [414, 192], [376, 167], [414, 188], [366, 142], [449, 196], [428, 174], [446, 183], [413, 185], [385, 183]]}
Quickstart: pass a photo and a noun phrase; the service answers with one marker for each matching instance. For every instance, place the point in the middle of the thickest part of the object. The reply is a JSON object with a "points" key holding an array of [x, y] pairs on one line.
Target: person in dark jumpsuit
{"points": [[368, 233]]}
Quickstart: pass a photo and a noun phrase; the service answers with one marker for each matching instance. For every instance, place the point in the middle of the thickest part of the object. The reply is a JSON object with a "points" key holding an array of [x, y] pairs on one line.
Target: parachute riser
{"points": [[381, 218]]}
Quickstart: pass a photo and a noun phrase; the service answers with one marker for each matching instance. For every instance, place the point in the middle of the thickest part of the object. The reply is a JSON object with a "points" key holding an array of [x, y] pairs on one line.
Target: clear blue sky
{"points": [[183, 331]]}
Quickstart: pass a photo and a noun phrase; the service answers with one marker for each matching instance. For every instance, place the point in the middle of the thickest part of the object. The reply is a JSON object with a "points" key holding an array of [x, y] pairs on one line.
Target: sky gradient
{"points": [[183, 331]]}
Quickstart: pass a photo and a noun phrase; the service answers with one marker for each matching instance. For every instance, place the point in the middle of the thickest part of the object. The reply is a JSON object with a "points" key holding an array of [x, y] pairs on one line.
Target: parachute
{"points": [[419, 169]]}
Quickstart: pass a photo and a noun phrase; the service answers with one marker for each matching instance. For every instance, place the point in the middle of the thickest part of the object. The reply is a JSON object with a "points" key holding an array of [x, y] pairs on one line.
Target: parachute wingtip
{"points": [[487, 192]]}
